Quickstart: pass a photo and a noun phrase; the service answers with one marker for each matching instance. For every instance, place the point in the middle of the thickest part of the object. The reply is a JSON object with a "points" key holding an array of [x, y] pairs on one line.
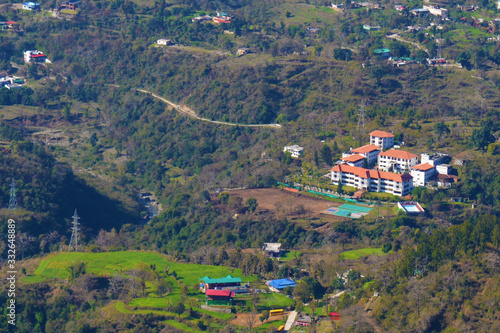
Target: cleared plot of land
{"points": [[111, 263], [356, 254], [279, 201]]}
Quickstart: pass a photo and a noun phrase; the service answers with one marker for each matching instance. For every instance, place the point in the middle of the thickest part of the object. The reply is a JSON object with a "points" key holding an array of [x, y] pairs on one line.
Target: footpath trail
{"points": [[187, 111]]}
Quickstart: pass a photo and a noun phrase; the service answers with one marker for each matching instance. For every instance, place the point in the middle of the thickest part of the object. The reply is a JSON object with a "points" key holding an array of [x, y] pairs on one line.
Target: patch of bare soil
{"points": [[292, 205]]}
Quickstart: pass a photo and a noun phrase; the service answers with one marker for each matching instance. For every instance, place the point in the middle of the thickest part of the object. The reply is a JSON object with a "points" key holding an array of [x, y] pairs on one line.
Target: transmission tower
{"points": [[13, 199], [361, 119], [74, 234]]}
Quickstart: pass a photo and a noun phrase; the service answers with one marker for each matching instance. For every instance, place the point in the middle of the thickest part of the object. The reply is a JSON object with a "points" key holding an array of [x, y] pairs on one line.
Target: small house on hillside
{"points": [[272, 249], [219, 297], [228, 281], [295, 150], [164, 42], [280, 284], [31, 6], [303, 321]]}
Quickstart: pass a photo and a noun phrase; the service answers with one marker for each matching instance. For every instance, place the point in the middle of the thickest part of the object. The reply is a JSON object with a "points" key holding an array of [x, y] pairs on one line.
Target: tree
{"points": [[163, 288], [179, 309], [441, 128], [251, 204], [77, 269], [223, 197], [481, 138], [326, 154]]}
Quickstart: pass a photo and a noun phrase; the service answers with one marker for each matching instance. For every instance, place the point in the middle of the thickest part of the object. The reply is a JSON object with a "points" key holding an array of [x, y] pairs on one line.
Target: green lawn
{"points": [[111, 263], [289, 255], [356, 254], [275, 301]]}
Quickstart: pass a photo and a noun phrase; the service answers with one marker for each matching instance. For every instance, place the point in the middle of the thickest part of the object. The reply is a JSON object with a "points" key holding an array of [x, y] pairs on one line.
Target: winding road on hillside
{"points": [[187, 111]]}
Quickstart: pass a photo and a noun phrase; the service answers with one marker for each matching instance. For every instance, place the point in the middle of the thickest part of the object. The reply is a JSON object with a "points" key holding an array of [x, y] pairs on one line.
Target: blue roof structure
{"points": [[281, 283]]}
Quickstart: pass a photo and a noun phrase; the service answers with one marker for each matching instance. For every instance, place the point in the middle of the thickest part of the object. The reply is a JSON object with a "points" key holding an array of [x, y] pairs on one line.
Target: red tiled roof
{"points": [[352, 158], [10, 22], [37, 55], [398, 154], [382, 134], [367, 173], [423, 167], [366, 149], [215, 292]]}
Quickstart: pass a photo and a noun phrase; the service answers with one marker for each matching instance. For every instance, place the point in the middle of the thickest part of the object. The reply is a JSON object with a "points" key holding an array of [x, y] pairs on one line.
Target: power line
{"points": [[73, 243]]}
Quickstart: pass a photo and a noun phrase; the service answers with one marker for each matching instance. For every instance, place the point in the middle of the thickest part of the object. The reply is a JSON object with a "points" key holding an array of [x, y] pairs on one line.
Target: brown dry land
{"points": [[283, 202], [244, 319]]}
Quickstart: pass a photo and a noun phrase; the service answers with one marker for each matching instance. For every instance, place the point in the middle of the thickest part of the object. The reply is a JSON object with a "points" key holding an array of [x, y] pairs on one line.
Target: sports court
{"points": [[347, 210]]}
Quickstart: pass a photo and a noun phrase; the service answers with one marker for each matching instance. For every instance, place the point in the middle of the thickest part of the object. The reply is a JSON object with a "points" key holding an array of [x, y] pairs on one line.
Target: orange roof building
{"points": [[372, 180], [369, 152], [396, 160], [384, 140], [354, 160]]}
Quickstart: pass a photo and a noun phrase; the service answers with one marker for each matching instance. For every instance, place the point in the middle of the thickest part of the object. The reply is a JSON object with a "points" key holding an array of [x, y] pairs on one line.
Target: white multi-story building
{"points": [[369, 152], [422, 173], [384, 140], [354, 160], [295, 150], [371, 180], [437, 11], [397, 160]]}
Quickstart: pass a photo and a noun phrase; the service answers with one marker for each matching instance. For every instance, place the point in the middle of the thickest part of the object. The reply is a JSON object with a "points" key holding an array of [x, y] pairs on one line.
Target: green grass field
{"points": [[289, 255], [111, 263], [356, 254]]}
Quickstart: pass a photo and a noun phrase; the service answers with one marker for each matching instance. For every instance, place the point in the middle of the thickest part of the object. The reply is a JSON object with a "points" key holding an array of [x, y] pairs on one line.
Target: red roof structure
{"points": [[367, 173], [398, 154], [10, 22], [382, 134], [223, 293], [423, 167], [352, 158], [366, 149]]}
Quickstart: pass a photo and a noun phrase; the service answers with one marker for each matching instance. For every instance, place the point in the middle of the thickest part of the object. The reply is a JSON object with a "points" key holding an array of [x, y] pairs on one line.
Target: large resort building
{"points": [[372, 180]]}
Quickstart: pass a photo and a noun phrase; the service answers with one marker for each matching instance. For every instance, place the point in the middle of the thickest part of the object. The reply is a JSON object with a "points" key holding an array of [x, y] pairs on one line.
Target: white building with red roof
{"points": [[34, 56], [396, 160], [371, 180], [422, 173], [354, 160], [384, 140], [369, 152]]}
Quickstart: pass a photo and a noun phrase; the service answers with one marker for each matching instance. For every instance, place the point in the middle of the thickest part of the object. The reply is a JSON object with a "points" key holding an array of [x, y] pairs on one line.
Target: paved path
{"points": [[399, 38], [290, 320], [191, 113]]}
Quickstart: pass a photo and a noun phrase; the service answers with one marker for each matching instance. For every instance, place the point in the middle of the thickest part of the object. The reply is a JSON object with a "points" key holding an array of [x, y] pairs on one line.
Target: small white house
{"points": [[444, 169], [434, 159], [164, 42], [294, 150], [31, 6]]}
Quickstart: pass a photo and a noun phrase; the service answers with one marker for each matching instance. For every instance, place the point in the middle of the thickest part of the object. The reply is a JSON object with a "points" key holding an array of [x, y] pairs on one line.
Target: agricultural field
{"points": [[111, 263], [356, 254]]}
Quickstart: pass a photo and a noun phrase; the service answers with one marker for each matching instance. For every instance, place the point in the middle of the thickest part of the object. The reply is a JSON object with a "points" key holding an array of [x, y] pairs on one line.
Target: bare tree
{"points": [[252, 319]]}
